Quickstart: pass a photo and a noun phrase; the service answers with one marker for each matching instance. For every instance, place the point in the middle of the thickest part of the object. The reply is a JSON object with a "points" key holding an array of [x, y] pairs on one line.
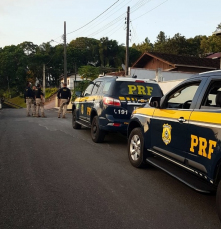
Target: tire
{"points": [[135, 148], [75, 125], [97, 134], [218, 200]]}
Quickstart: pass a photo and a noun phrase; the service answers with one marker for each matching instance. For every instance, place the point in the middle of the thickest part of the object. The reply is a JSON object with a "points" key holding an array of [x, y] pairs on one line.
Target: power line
{"points": [[107, 16], [105, 27], [138, 6], [114, 24], [136, 38], [150, 10], [94, 18]]}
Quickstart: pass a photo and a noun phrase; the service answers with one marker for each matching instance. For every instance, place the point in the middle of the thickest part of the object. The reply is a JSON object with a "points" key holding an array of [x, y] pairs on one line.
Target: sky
{"points": [[41, 21]]}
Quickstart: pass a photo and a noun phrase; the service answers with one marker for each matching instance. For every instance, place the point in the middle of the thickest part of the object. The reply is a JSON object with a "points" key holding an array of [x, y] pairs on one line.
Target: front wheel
{"points": [[218, 200], [97, 134], [136, 148], [75, 125]]}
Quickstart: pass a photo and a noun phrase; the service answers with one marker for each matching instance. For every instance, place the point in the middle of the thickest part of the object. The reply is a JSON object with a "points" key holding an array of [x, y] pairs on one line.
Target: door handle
{"points": [[181, 119]]}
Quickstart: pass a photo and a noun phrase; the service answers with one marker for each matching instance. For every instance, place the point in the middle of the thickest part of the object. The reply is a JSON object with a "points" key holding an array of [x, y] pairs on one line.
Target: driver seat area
{"points": [[218, 99]]}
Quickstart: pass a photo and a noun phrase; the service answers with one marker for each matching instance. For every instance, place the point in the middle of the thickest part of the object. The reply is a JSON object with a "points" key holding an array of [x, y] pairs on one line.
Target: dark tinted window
{"points": [[137, 89], [212, 98]]}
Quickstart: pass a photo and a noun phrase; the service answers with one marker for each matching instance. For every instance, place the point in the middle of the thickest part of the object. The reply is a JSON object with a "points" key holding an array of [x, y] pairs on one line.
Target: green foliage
{"points": [[211, 44], [82, 85], [88, 72], [50, 91], [218, 27], [19, 100], [145, 46]]}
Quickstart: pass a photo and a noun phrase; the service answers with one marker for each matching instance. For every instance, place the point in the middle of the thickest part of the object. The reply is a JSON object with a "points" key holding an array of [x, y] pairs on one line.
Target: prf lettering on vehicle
{"points": [[141, 90], [88, 110], [206, 147]]}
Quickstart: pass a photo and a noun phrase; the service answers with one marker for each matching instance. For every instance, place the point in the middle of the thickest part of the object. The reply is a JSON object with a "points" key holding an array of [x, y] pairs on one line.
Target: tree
{"points": [[177, 45], [193, 46], [218, 27], [82, 51], [88, 72], [210, 44], [103, 51], [13, 63], [145, 46], [161, 42], [134, 55]]}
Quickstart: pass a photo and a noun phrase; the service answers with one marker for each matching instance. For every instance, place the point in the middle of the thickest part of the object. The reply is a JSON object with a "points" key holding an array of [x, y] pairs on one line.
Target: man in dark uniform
{"points": [[64, 94], [39, 98], [28, 96], [33, 105]]}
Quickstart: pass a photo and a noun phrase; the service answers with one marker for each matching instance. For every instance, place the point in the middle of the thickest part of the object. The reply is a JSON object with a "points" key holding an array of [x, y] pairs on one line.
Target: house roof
{"points": [[120, 73], [214, 55], [177, 60]]}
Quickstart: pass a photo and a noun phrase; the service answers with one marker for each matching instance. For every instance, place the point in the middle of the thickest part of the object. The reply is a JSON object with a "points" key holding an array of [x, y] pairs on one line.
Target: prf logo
{"points": [[82, 109], [166, 135], [202, 146]]}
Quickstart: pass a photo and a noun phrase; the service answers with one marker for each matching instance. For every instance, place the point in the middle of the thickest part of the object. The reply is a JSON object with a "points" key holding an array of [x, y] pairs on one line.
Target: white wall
{"points": [[70, 81], [163, 75]]}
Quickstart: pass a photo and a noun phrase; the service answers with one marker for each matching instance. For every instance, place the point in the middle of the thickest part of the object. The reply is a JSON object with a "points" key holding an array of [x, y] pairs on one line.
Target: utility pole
{"points": [[75, 75], [65, 55], [127, 41], [44, 79]]}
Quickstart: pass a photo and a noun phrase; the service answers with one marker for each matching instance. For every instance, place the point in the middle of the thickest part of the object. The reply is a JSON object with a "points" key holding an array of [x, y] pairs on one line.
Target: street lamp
{"points": [[218, 33]]}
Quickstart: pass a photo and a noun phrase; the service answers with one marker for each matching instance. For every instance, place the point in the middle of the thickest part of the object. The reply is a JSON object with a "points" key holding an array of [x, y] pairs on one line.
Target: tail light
{"points": [[114, 124], [111, 101]]}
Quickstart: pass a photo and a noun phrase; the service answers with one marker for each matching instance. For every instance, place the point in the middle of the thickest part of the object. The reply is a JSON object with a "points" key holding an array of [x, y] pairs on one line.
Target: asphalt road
{"points": [[53, 176]]}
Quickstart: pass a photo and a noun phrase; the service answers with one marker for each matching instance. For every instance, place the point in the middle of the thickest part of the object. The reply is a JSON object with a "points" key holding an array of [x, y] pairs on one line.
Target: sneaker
{"points": [[63, 116], [58, 116], [28, 115]]}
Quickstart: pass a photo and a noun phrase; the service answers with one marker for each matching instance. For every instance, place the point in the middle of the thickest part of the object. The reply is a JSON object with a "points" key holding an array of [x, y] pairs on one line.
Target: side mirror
{"points": [[78, 93], [155, 102]]}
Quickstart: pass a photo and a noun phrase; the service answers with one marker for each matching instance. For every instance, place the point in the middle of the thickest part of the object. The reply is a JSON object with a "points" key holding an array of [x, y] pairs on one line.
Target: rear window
{"points": [[136, 89]]}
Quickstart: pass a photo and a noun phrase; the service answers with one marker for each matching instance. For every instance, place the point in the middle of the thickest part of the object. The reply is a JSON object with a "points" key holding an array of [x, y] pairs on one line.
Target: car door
{"points": [[169, 125], [84, 102], [91, 100], [204, 140]]}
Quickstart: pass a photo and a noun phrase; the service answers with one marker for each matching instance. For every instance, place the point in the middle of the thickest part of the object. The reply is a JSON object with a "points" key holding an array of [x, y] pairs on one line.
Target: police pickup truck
{"points": [[107, 103], [180, 133]]}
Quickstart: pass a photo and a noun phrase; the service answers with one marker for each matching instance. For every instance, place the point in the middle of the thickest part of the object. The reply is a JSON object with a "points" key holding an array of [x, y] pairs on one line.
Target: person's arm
{"points": [[25, 95], [58, 94], [69, 94]]}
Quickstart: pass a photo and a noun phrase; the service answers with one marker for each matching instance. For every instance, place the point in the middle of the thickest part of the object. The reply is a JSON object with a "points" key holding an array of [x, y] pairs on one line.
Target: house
{"points": [[216, 55], [171, 62], [164, 67], [72, 81]]}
